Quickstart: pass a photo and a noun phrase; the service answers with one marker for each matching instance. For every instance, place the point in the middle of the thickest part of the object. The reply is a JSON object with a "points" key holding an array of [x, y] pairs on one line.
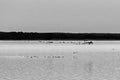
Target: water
{"points": [[34, 60]]}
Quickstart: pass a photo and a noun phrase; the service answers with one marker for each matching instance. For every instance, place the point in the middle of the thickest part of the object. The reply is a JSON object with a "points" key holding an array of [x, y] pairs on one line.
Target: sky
{"points": [[60, 15]]}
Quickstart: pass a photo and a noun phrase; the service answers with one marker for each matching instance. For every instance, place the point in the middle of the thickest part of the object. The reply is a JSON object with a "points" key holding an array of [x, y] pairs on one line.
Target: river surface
{"points": [[59, 60]]}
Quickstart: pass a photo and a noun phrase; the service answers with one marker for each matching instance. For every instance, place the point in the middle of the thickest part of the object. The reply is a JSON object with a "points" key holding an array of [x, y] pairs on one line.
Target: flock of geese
{"points": [[65, 42]]}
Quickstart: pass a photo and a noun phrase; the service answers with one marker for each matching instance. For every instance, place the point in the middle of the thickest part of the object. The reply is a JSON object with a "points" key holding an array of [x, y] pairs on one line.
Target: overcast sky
{"points": [[60, 15]]}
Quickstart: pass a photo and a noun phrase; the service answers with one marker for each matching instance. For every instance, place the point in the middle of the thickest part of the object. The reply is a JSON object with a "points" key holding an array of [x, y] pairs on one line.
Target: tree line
{"points": [[58, 36]]}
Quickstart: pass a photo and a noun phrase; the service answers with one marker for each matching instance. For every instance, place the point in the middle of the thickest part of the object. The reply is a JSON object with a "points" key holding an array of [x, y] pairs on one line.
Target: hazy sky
{"points": [[60, 15]]}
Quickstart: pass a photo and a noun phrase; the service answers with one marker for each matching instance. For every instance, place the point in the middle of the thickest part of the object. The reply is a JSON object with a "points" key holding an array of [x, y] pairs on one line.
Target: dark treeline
{"points": [[58, 36]]}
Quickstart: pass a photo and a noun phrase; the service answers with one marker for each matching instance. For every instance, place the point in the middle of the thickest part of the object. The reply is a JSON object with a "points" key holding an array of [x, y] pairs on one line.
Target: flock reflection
{"points": [[51, 56]]}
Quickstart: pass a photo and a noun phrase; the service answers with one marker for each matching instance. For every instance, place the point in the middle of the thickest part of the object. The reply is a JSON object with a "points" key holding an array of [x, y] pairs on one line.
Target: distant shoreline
{"points": [[58, 36]]}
